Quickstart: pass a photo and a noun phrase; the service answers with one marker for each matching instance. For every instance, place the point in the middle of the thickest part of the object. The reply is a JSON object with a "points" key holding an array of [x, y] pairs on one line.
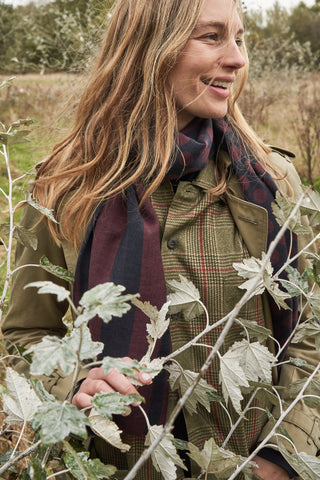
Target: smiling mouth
{"points": [[217, 83]]}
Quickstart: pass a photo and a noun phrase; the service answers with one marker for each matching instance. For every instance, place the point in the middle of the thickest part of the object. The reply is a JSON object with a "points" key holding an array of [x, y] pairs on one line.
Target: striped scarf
{"points": [[122, 245]]}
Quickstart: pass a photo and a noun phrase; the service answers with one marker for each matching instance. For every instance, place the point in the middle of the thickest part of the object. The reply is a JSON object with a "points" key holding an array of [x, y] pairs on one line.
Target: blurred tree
{"points": [[304, 22], [8, 20], [54, 36], [61, 34]]}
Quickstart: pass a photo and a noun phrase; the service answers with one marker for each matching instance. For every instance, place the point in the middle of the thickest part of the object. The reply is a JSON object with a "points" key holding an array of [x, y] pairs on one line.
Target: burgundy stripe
{"points": [[108, 233]]}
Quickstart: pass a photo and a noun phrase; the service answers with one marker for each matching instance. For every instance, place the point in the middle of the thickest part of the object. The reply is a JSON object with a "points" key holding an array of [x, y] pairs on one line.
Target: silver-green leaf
{"points": [[106, 301], [182, 379], [52, 288], [57, 420], [164, 456], [20, 401], [93, 468], [108, 430], [185, 298], [56, 270], [108, 404], [43, 210]]}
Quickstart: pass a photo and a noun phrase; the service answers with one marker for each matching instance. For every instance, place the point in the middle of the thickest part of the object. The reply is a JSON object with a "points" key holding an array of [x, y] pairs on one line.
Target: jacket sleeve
{"points": [[31, 316], [303, 422]]}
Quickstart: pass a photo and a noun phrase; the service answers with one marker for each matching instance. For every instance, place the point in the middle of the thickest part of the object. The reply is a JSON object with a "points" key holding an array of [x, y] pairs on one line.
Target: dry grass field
{"points": [[271, 105]]}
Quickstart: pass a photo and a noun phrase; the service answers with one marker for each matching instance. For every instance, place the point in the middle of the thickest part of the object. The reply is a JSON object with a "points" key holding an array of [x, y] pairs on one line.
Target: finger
{"points": [[81, 400], [120, 383], [91, 387], [143, 377]]}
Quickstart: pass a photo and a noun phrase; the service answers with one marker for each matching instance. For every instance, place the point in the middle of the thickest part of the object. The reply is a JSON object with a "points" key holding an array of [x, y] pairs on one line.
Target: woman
{"points": [[165, 67]]}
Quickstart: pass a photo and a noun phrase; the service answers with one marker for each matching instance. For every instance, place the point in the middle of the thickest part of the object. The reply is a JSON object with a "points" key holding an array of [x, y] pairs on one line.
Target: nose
{"points": [[233, 57]]}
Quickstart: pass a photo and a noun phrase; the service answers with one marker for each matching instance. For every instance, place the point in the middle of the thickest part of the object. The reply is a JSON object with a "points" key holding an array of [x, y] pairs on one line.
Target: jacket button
{"points": [[172, 243]]}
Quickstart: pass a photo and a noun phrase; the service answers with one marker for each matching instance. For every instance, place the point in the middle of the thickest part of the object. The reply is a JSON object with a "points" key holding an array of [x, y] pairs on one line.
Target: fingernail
{"points": [[146, 377]]}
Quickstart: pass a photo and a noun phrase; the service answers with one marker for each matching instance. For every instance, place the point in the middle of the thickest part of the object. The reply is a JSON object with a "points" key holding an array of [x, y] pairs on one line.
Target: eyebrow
{"points": [[220, 25]]}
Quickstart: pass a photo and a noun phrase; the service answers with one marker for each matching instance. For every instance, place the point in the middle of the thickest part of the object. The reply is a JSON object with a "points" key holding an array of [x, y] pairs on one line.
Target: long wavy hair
{"points": [[126, 120]]}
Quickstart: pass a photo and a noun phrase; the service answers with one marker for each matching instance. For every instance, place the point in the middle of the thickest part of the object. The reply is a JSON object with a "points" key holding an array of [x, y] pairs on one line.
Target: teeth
{"points": [[222, 84], [218, 83]]}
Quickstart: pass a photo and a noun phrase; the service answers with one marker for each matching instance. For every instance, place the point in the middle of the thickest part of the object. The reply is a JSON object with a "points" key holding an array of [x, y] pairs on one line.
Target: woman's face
{"points": [[209, 63]]}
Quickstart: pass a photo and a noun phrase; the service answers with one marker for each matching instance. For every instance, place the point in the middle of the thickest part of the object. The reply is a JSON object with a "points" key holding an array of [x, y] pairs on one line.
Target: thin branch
{"points": [[54, 475], [277, 424], [24, 454]]}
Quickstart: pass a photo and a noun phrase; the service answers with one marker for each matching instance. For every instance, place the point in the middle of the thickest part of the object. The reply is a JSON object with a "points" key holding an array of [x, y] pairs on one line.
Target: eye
{"points": [[239, 42], [212, 36]]}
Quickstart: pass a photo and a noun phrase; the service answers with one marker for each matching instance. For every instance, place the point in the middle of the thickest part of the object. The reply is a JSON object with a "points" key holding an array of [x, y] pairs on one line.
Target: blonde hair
{"points": [[126, 120]]}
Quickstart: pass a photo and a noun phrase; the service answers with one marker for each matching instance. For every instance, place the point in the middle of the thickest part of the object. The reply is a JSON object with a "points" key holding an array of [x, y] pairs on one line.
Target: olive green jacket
{"points": [[31, 316]]}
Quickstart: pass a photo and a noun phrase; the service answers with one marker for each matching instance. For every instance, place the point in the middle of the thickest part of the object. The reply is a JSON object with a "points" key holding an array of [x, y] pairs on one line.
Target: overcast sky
{"points": [[263, 4]]}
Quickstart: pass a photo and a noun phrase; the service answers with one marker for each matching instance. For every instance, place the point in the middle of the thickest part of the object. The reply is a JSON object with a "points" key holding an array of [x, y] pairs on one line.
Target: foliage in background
{"points": [[56, 36], [62, 34]]}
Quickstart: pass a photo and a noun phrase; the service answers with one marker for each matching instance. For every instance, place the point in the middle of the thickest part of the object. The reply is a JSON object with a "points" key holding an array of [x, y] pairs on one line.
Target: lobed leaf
{"points": [[309, 328], [254, 330], [108, 404], [164, 456], [93, 468], [232, 378], [52, 288], [105, 300], [185, 298], [255, 360], [298, 283], [158, 322], [216, 461], [250, 268], [182, 380], [57, 420], [20, 401], [53, 352], [130, 369], [282, 210], [26, 237], [311, 206], [306, 466], [108, 430], [81, 341], [314, 302], [312, 389]]}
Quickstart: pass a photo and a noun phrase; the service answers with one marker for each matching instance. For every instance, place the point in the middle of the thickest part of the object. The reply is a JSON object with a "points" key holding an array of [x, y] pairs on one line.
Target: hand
{"points": [[97, 381], [268, 470]]}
